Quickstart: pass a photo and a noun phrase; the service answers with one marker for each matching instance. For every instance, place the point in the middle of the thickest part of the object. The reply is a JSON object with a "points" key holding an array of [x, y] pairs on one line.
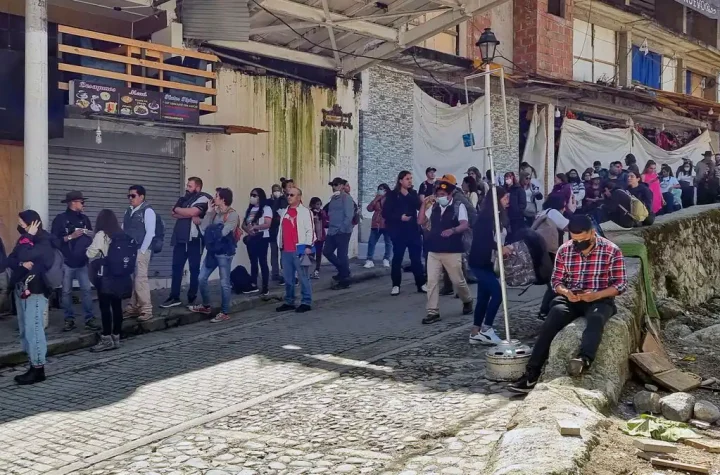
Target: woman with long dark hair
{"points": [[686, 177], [400, 213], [489, 294], [578, 187], [256, 225], [652, 180], [110, 288], [378, 228], [518, 204], [31, 258]]}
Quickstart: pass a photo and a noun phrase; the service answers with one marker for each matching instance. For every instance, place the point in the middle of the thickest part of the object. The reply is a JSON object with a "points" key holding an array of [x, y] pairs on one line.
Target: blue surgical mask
{"points": [[443, 201]]}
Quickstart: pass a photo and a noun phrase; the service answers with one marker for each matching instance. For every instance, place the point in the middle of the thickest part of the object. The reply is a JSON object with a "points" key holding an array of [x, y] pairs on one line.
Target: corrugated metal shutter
{"points": [[216, 20], [104, 172]]}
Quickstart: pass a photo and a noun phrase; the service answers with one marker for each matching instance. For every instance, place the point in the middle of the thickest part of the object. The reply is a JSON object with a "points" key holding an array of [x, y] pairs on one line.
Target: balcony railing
{"points": [[89, 55]]}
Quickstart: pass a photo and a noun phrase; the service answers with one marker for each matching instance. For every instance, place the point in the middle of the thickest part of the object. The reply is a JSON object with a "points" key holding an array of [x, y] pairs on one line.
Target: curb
{"points": [[177, 316]]}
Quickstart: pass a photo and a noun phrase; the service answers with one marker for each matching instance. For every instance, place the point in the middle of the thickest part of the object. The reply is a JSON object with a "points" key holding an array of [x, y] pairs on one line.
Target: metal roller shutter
{"points": [[207, 20], [103, 172]]}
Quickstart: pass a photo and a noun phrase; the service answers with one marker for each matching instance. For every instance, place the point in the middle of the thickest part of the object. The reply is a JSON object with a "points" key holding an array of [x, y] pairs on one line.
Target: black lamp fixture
{"points": [[487, 43]]}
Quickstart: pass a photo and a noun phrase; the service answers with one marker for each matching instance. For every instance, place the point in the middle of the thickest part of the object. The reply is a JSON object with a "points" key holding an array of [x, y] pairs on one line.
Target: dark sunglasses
{"points": [[132, 197], [293, 195], [79, 201]]}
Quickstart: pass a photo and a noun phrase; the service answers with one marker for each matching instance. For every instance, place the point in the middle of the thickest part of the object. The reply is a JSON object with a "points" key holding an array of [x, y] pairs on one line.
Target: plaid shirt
{"points": [[604, 267]]}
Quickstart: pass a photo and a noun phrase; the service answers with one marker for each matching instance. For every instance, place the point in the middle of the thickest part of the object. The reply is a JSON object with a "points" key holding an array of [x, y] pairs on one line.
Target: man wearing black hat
{"points": [[72, 234], [706, 180], [427, 187], [341, 210]]}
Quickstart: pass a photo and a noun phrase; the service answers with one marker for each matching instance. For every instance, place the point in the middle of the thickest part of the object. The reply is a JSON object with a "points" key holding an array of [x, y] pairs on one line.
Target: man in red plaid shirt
{"points": [[589, 272]]}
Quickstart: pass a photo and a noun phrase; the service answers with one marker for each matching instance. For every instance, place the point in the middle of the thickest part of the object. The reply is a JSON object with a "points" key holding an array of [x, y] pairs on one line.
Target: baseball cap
{"points": [[445, 185], [337, 181], [430, 169], [448, 178]]}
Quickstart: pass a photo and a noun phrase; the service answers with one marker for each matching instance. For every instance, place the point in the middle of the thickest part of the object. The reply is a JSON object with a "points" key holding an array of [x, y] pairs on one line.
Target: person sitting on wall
{"points": [[589, 273]]}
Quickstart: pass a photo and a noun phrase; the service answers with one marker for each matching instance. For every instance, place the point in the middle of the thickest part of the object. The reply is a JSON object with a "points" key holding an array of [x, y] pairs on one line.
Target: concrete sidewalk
{"points": [[61, 342]]}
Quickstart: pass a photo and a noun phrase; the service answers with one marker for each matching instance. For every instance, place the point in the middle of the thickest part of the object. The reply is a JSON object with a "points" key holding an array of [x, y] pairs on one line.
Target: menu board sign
{"points": [[134, 103]]}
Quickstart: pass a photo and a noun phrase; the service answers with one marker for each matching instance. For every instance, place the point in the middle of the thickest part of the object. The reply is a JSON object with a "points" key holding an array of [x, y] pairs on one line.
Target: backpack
{"points": [[356, 214], [519, 266], [544, 226], [637, 211], [240, 279], [53, 277], [121, 256]]}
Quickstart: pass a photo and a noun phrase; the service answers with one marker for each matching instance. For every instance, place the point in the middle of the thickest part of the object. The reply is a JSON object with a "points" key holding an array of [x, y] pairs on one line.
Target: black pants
{"points": [[111, 313], [410, 241], [257, 248], [318, 254], [274, 257], [549, 292], [336, 252], [564, 312], [190, 253], [688, 195]]}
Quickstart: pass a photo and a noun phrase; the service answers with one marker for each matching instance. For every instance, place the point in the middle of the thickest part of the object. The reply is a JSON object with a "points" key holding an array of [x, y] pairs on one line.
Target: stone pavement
{"points": [[356, 386]]}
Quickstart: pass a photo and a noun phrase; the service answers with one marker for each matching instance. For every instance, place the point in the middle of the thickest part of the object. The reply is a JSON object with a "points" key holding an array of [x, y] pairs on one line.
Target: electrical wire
{"points": [[589, 25]]}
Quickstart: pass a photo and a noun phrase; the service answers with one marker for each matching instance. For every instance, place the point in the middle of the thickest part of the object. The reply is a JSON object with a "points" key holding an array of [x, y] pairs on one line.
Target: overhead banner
{"points": [[438, 131], [709, 9], [581, 144]]}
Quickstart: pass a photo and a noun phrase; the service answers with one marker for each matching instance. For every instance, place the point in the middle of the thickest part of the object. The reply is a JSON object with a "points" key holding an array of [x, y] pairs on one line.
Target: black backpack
{"points": [[122, 255], [240, 280], [157, 242]]}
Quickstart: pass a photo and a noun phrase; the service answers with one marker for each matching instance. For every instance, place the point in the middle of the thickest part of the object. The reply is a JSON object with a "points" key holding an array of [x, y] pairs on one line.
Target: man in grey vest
{"points": [[139, 222]]}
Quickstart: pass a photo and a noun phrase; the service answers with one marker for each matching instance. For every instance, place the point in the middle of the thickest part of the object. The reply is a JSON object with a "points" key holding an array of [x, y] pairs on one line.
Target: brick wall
{"points": [[386, 133], [543, 42]]}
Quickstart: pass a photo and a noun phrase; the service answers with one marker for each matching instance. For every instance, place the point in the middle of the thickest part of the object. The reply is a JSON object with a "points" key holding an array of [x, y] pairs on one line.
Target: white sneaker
{"points": [[386, 263], [424, 288], [369, 264], [395, 291], [488, 337]]}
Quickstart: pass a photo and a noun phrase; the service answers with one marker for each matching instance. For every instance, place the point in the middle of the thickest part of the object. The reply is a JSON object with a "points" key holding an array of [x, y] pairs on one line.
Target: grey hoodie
{"points": [[341, 210]]}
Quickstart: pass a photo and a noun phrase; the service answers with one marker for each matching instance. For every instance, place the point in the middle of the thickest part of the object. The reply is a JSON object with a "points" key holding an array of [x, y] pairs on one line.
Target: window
{"points": [[556, 7], [593, 52]]}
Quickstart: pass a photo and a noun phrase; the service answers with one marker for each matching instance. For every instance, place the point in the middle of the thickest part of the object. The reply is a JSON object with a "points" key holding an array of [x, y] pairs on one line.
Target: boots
{"points": [[116, 341], [105, 344], [35, 374]]}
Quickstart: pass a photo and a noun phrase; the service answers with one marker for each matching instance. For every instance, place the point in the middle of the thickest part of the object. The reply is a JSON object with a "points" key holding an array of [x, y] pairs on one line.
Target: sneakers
{"points": [[286, 307], [303, 308], [386, 263], [252, 290], [523, 385], [431, 318], [395, 291], [369, 264], [31, 376], [315, 275], [171, 302], [467, 308], [69, 326], [105, 344], [578, 366], [92, 324], [340, 285], [116, 341], [422, 289], [220, 317], [488, 337], [144, 317], [265, 293], [204, 309]]}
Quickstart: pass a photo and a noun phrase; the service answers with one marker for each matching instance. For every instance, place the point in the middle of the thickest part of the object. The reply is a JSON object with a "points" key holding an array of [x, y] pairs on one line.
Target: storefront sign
{"points": [[134, 103], [708, 9], [336, 118]]}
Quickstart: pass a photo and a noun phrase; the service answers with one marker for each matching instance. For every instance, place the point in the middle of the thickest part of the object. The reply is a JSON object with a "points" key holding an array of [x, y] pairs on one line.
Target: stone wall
{"points": [[506, 158]]}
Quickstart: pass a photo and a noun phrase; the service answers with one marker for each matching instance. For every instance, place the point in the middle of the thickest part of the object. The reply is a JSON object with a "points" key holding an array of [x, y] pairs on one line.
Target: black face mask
{"points": [[20, 229], [581, 246]]}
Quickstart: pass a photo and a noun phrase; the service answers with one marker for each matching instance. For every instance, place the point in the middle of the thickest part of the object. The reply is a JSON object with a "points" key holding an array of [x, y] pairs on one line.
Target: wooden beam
{"points": [[139, 44], [136, 62], [70, 68]]}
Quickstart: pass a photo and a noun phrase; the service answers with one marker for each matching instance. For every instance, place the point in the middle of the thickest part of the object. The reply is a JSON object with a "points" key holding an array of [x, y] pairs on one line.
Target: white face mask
{"points": [[381, 192], [508, 182], [277, 194], [254, 200], [336, 193], [443, 201]]}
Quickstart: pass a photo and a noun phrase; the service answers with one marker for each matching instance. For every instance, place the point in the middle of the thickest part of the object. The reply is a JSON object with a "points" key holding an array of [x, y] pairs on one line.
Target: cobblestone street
{"points": [[356, 386]]}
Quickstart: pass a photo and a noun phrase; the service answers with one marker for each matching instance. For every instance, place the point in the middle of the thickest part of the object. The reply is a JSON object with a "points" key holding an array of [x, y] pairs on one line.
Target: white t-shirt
{"points": [[560, 221], [462, 211], [687, 176], [667, 183], [267, 213]]}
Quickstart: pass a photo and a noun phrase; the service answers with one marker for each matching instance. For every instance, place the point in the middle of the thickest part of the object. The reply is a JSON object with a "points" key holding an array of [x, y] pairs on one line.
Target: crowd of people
{"points": [[446, 229]]}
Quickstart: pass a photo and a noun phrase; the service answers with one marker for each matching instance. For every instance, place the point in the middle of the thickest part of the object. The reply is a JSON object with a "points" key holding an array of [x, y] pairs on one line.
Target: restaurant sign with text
{"points": [[134, 103]]}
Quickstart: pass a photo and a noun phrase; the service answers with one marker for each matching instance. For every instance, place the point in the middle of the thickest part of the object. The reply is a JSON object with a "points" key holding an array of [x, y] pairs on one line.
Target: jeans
{"points": [[111, 313], [291, 265], [338, 242], [83, 278], [30, 313], [274, 258], [564, 312], [411, 242], [489, 296], [191, 253], [222, 262], [669, 205], [257, 249], [372, 242]]}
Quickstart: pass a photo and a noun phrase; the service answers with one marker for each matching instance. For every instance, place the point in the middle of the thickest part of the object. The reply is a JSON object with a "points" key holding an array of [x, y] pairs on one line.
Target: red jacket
{"points": [[376, 206]]}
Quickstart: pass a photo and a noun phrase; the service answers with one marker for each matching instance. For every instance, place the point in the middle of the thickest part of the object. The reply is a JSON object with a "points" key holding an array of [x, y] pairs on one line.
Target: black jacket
{"points": [[644, 194], [518, 203], [276, 204], [483, 243], [37, 249], [183, 226], [396, 205], [65, 224]]}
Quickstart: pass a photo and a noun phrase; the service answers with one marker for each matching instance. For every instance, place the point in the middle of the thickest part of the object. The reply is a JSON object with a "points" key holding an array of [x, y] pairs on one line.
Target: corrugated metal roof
{"points": [[209, 20]]}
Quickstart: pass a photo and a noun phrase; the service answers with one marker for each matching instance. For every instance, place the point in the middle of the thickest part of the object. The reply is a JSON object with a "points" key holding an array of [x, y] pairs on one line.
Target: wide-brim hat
{"points": [[449, 178], [73, 196], [337, 181], [444, 185], [708, 154]]}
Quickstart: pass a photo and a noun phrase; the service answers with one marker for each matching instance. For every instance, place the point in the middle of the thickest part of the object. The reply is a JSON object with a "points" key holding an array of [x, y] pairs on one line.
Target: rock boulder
{"points": [[708, 336], [678, 407], [669, 308], [706, 411], [647, 402], [676, 330]]}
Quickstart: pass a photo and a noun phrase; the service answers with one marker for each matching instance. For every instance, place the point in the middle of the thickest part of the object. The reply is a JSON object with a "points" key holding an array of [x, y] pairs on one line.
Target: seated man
{"points": [[589, 272]]}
